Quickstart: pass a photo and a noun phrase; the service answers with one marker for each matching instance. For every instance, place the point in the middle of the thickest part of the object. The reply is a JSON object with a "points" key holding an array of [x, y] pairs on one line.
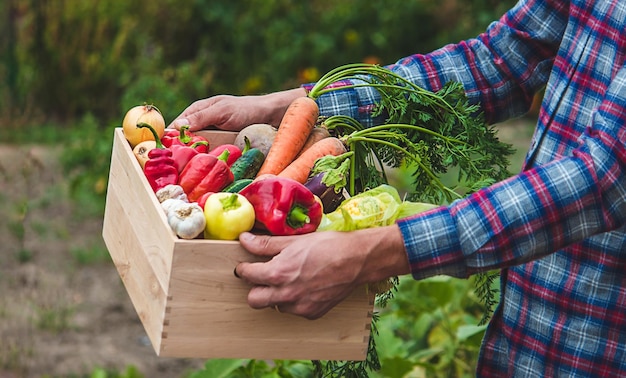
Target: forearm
{"points": [[382, 254], [532, 214]]}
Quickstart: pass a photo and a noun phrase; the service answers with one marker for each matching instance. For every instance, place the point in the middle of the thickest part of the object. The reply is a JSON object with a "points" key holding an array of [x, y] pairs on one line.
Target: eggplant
{"points": [[329, 195], [328, 179]]}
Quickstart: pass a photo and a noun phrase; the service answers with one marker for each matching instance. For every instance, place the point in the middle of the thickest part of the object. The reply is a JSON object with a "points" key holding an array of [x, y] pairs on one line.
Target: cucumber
{"points": [[236, 186], [247, 166]]}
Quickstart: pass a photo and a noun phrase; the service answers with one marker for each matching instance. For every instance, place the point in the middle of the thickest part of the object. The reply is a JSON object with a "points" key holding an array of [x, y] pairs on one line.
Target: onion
{"points": [[141, 151], [142, 113]]}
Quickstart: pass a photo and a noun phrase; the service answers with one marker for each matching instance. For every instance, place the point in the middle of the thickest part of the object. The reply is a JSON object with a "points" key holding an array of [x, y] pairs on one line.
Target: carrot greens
{"points": [[432, 133]]}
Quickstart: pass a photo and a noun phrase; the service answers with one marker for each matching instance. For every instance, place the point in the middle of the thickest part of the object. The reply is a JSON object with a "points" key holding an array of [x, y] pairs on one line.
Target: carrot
{"points": [[300, 168], [293, 131], [318, 133]]}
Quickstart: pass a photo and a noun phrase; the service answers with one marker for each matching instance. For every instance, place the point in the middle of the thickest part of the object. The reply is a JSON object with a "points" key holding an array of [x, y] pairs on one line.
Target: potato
{"points": [[261, 136]]}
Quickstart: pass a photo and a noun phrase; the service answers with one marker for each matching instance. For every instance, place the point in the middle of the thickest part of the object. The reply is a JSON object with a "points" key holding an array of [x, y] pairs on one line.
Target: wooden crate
{"points": [[186, 295]]}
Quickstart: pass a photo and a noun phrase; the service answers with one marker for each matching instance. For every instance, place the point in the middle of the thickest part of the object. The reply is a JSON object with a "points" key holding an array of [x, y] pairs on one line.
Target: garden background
{"points": [[70, 69]]}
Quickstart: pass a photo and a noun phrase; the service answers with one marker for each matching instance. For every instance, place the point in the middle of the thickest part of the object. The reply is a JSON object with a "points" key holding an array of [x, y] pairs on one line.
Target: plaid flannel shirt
{"points": [[557, 228]]}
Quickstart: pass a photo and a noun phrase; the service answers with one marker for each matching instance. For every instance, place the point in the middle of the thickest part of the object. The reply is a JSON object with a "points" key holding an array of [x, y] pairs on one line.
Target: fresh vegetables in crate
{"points": [[184, 291]]}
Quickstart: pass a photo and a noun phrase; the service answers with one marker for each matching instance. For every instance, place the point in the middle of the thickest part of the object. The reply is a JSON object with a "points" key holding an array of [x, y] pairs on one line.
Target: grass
{"points": [[54, 318], [94, 254], [12, 356]]}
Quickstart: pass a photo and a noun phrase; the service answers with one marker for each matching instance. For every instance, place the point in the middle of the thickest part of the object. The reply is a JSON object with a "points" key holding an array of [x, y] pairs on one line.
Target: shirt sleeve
{"points": [[534, 213], [500, 69]]}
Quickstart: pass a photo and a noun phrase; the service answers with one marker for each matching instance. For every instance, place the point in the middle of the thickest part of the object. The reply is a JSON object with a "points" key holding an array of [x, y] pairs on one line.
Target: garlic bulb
{"points": [[185, 218]]}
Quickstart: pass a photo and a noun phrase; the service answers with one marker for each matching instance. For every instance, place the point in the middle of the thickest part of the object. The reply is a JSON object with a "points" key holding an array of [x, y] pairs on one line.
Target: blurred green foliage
{"points": [[431, 329], [64, 59]]}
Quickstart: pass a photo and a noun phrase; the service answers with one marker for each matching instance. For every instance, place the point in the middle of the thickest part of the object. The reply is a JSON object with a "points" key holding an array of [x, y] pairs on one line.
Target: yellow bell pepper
{"points": [[227, 215]]}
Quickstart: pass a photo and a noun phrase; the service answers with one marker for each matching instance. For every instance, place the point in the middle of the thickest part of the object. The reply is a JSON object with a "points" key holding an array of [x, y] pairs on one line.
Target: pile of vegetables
{"points": [[219, 192], [324, 173]]}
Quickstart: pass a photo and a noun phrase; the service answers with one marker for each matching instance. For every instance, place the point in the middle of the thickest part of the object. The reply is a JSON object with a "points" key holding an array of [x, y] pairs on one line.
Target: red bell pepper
{"points": [[235, 152], [205, 173], [182, 154], [283, 206], [160, 169], [184, 138]]}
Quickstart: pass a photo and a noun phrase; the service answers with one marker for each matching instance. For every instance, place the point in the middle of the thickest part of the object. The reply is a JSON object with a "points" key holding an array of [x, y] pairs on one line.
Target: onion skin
{"points": [[141, 151], [149, 114], [330, 199]]}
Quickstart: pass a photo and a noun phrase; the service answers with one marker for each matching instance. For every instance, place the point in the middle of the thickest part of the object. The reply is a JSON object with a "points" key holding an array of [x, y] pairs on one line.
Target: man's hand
{"points": [[310, 274], [236, 112]]}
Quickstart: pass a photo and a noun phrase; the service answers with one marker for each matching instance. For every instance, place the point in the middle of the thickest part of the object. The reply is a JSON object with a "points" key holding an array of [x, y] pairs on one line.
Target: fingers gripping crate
{"points": [[186, 295]]}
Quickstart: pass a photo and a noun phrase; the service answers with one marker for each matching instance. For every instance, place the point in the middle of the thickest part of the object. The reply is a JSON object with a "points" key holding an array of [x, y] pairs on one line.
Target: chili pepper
{"points": [[160, 169], [205, 173], [172, 136], [169, 135], [283, 206], [184, 137], [182, 154]]}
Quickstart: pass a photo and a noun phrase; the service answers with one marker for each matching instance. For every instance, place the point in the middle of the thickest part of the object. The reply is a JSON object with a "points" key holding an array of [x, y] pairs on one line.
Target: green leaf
{"points": [[396, 367], [390, 345], [439, 292], [465, 332]]}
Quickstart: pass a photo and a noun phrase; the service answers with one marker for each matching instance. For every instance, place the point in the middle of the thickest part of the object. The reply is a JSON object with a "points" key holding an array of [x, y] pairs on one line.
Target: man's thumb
{"points": [[257, 244], [265, 245]]}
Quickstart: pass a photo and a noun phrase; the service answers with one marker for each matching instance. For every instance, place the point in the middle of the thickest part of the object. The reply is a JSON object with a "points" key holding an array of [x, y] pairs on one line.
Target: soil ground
{"points": [[63, 318], [60, 317]]}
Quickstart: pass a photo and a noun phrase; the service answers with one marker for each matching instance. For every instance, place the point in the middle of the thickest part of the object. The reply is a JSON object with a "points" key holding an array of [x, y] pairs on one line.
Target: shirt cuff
{"points": [[357, 103], [432, 244]]}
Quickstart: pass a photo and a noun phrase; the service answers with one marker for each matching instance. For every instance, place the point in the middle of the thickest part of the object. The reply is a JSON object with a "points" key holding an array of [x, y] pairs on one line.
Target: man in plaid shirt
{"points": [[556, 229]]}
